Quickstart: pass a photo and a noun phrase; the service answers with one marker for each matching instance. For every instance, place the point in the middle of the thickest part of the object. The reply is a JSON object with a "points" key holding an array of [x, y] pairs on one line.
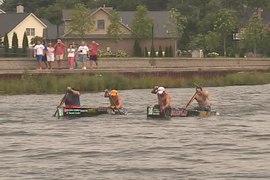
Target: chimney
{"points": [[20, 8]]}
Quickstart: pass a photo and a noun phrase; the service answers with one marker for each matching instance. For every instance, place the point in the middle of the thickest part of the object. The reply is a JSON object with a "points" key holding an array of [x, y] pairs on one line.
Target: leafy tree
{"points": [[197, 42], [81, 20], [52, 13], [253, 34], [35, 39], [114, 29], [141, 24], [15, 42], [212, 41], [225, 24], [176, 24]]}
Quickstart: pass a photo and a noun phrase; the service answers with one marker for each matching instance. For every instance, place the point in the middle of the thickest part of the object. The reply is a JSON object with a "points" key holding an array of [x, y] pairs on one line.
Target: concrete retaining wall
{"points": [[150, 63]]}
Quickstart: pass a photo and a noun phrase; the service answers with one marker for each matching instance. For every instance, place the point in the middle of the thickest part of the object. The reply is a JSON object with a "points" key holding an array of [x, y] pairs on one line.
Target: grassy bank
{"points": [[50, 84]]}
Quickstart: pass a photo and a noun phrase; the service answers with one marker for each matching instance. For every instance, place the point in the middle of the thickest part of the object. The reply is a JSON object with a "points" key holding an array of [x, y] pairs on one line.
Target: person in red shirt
{"points": [[59, 50], [93, 53]]}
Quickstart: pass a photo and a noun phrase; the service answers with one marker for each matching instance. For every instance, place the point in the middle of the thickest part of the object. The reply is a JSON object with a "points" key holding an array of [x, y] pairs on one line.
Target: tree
{"points": [[212, 41], [6, 43], [176, 24], [141, 24], [53, 13], [25, 44], [15, 43], [137, 50], [254, 33], [35, 39], [81, 20], [224, 24], [114, 29]]}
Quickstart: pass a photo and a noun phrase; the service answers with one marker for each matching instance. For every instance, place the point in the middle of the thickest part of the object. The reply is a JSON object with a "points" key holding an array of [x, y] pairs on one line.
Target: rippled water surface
{"points": [[234, 145]]}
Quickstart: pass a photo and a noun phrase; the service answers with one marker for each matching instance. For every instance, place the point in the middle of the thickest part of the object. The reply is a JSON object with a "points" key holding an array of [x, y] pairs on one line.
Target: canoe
{"points": [[87, 111], [154, 112]]}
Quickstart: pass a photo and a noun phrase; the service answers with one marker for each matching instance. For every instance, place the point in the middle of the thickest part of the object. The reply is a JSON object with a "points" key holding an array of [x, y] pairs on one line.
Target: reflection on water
{"points": [[234, 145]]}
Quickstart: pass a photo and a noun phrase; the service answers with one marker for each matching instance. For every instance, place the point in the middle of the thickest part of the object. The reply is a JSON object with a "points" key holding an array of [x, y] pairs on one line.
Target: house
{"points": [[19, 23], [161, 37]]}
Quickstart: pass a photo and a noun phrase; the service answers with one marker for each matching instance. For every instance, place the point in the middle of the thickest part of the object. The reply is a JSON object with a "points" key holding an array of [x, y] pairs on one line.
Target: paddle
{"points": [[189, 102], [62, 101]]}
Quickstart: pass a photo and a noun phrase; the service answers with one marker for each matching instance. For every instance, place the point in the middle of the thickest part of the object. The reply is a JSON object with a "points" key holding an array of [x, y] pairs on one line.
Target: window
{"points": [[101, 24], [30, 32]]}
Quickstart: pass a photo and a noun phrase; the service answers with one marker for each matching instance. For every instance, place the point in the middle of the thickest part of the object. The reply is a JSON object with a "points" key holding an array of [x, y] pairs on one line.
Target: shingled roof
{"points": [[9, 21]]}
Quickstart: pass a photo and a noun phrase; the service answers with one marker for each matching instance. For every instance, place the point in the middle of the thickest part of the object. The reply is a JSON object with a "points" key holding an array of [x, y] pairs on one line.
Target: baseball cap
{"points": [[114, 92], [160, 90]]}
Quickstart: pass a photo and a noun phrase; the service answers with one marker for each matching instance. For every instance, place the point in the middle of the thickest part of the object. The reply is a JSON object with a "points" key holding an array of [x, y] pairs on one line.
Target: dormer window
{"points": [[100, 24]]}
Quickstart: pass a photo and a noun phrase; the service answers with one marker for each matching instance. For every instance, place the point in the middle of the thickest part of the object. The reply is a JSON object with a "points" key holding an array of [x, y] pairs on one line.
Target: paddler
{"points": [[114, 97], [202, 98], [72, 98], [164, 98]]}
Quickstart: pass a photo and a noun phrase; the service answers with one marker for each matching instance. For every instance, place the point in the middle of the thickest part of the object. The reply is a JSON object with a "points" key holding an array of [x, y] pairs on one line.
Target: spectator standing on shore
{"points": [[59, 48], [83, 51], [39, 53], [50, 55], [71, 56], [93, 52], [44, 59]]}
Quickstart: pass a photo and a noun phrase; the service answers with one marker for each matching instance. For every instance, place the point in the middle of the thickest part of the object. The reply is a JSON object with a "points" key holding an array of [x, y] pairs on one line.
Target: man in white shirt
{"points": [[83, 51], [39, 53]]}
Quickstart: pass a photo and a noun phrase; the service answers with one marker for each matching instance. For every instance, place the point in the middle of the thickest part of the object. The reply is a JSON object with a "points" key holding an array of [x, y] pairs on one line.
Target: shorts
{"points": [[59, 57], [203, 108], [93, 57], [44, 58], [39, 57], [50, 57], [82, 57]]}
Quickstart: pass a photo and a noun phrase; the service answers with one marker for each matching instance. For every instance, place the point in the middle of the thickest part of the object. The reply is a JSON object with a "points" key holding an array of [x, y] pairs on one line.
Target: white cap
{"points": [[160, 90]]}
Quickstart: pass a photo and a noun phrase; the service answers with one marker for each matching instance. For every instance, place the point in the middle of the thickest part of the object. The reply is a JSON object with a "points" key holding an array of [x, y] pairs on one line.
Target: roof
{"points": [[51, 31], [11, 20]]}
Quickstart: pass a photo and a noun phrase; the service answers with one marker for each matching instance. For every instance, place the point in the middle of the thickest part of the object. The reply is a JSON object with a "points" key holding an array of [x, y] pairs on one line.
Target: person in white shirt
{"points": [[71, 56], [50, 54], [39, 53], [83, 51]]}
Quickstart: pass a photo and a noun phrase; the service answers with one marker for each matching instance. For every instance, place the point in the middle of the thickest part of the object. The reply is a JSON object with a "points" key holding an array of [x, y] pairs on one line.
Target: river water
{"points": [[234, 145]]}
